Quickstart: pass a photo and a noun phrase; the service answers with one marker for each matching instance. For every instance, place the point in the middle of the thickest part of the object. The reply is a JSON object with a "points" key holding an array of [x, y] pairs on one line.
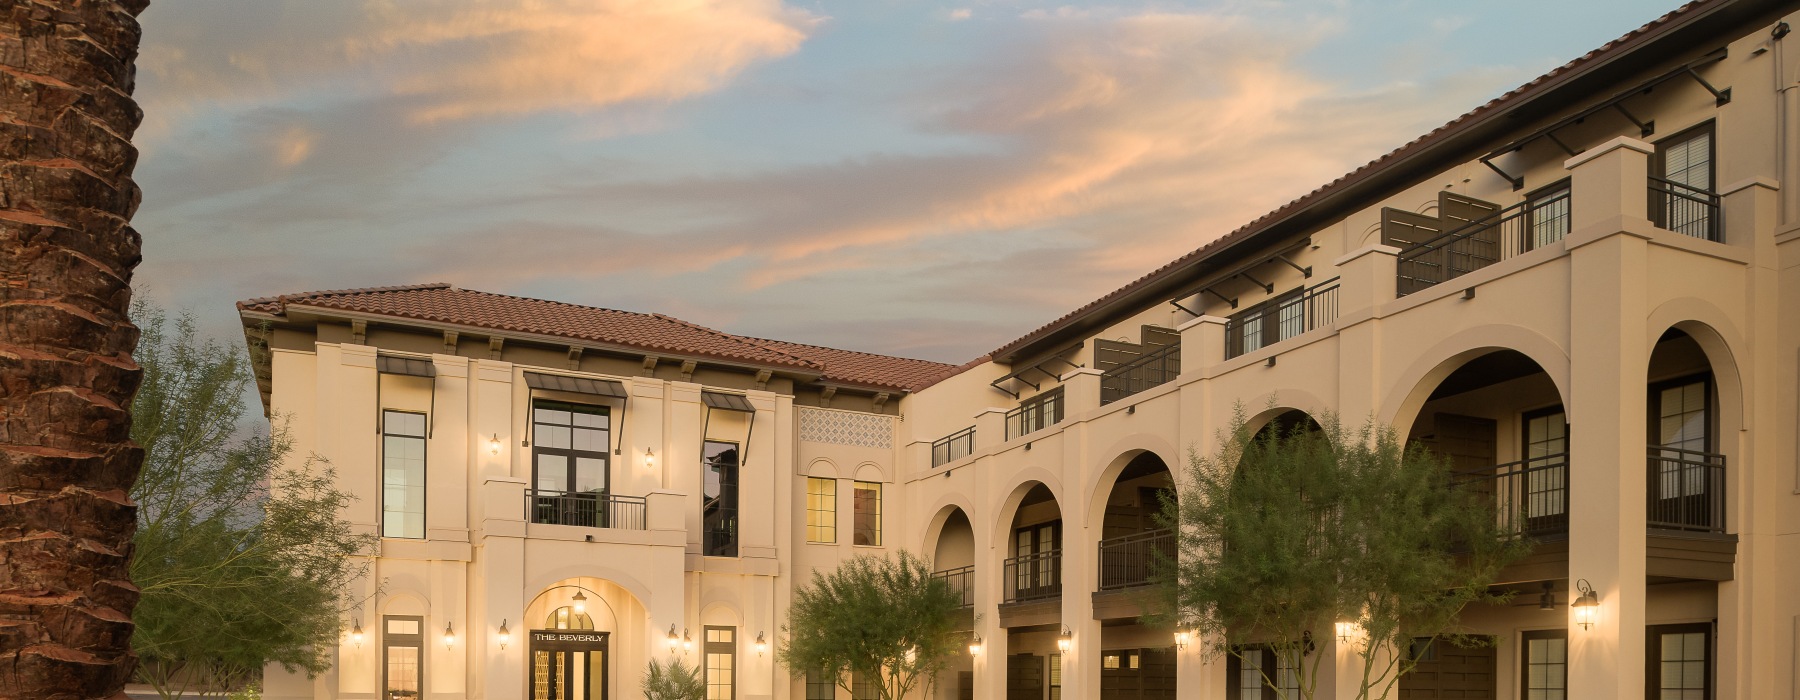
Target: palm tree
{"points": [[66, 374]]}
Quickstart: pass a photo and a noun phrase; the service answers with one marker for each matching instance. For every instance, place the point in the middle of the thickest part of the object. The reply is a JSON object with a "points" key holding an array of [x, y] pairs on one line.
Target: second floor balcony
{"points": [[1032, 577], [585, 509], [1131, 560]]}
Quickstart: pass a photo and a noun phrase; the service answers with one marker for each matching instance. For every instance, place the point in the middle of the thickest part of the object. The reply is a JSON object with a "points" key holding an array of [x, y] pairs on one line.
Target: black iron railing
{"points": [[720, 537], [953, 447], [1687, 490], [1152, 369], [1036, 413], [1530, 496], [1281, 318], [1686, 210], [961, 580], [1521, 227], [1130, 560], [1033, 576], [585, 509]]}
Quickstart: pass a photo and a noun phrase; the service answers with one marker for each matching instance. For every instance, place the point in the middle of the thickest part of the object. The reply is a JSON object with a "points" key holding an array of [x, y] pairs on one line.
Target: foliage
{"points": [[885, 620], [1283, 533], [677, 681], [241, 551]]}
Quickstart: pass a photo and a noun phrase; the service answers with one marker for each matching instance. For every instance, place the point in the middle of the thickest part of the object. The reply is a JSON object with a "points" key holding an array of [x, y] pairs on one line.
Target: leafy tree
{"points": [[677, 681], [242, 555], [1285, 532], [885, 620]]}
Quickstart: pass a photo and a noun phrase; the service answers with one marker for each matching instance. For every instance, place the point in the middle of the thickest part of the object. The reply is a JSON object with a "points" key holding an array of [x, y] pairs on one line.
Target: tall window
{"points": [[1546, 469], [861, 688], [820, 686], [1546, 667], [866, 525], [1056, 677], [719, 508], [402, 666], [1263, 674], [721, 663], [571, 451], [402, 474], [1548, 220], [1680, 667], [1681, 434], [1686, 161], [1035, 413], [821, 510]]}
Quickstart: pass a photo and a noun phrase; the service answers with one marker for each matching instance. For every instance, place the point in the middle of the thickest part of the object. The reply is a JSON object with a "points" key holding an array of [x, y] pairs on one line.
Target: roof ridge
{"points": [[283, 298], [739, 338], [854, 352]]}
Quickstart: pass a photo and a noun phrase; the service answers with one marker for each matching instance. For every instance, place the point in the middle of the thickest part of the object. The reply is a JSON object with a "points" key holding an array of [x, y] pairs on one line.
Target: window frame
{"points": [[708, 648], [1653, 656], [1653, 414], [1537, 199], [1525, 640], [856, 512], [1659, 164], [604, 455], [827, 516], [734, 518], [424, 472], [412, 641]]}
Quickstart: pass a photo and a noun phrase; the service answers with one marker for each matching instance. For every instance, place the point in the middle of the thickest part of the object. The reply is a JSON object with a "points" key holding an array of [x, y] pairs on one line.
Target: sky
{"points": [[909, 177]]}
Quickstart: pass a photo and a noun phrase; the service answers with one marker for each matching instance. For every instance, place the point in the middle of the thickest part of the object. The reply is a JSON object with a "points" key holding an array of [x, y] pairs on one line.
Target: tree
{"points": [[243, 555], [887, 621], [66, 373], [677, 681], [1284, 533]]}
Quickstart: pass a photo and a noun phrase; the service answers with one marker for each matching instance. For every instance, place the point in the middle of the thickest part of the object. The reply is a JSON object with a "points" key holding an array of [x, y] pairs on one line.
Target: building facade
{"points": [[1586, 293]]}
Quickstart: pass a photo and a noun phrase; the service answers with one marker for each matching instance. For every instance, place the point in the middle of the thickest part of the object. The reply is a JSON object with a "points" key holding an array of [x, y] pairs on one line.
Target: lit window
{"points": [[403, 474], [821, 510], [721, 663]]}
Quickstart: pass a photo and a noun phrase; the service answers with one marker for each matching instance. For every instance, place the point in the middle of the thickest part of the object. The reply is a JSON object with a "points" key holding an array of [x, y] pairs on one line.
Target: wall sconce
{"points": [[356, 633], [687, 642], [762, 645], [505, 635], [1345, 630], [494, 445], [673, 640], [1065, 640], [449, 636], [649, 459], [580, 603], [975, 645], [1547, 601], [912, 655], [1587, 607], [1181, 639]]}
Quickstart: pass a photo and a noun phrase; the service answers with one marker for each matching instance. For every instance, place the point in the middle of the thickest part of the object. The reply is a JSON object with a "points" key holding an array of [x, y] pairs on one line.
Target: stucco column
{"points": [[1081, 391], [1366, 282], [1366, 279], [500, 564], [990, 664], [1080, 576], [1202, 343], [990, 428], [1609, 359]]}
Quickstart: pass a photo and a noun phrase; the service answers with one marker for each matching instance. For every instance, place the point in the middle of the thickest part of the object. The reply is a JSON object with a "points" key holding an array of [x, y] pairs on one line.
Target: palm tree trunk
{"points": [[66, 374]]}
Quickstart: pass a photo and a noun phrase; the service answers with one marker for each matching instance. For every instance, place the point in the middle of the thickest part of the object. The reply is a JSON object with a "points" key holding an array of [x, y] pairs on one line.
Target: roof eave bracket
{"points": [[1518, 183]]}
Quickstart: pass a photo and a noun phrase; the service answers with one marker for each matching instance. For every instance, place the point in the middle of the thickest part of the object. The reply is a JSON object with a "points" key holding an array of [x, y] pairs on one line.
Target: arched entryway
{"points": [[953, 559], [583, 639], [1030, 540], [1137, 660]]}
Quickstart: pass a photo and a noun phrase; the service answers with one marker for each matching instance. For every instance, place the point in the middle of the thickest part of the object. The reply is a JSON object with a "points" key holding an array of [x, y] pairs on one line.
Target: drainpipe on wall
{"points": [[1787, 130]]}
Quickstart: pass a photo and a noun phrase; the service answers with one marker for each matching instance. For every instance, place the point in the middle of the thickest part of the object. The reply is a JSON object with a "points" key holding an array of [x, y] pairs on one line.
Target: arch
{"points": [[946, 504], [870, 471], [721, 613], [1280, 401], [556, 575], [822, 468], [1124, 450], [403, 603], [1717, 336], [1021, 483], [1400, 405]]}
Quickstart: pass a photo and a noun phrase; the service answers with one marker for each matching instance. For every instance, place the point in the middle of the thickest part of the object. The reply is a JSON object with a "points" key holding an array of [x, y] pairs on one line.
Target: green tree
{"points": [[1284, 533], [241, 553], [885, 620], [677, 681]]}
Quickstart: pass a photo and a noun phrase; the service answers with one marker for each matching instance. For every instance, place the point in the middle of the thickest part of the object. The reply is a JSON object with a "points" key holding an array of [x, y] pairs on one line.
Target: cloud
{"points": [[961, 13]]}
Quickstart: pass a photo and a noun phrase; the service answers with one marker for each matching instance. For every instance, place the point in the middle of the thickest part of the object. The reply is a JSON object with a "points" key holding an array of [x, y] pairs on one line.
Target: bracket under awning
{"points": [[728, 402], [406, 367], [1279, 255], [1038, 366]]}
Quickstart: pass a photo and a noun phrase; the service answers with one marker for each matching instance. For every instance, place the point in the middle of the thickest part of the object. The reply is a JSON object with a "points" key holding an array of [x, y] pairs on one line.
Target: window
{"points": [[565, 618], [866, 528], [571, 452], [1547, 220], [1546, 667], [1038, 569], [1056, 677], [820, 686], [1685, 474], [1267, 323], [821, 510], [402, 666], [1035, 413], [1683, 201], [1546, 469], [1679, 667], [403, 474], [1251, 672], [1682, 420], [721, 663], [861, 688], [719, 507]]}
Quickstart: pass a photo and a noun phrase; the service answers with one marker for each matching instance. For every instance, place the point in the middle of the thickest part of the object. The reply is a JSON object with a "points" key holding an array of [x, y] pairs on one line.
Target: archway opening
{"points": [[584, 640], [1686, 465], [1132, 538]]}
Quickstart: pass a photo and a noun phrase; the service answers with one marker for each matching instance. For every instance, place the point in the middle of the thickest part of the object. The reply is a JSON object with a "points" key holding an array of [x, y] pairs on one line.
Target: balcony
{"points": [[1687, 490], [1129, 561], [1152, 369], [1530, 496], [953, 447], [1686, 210], [1281, 318], [1034, 414], [1033, 577], [961, 580], [585, 509], [1522, 227]]}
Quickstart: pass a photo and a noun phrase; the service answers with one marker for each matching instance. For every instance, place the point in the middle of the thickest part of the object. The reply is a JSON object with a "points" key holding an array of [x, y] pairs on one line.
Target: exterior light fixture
{"points": [[449, 636], [649, 459], [1345, 630], [975, 645], [673, 640], [1547, 601], [912, 655], [494, 445], [1587, 607], [762, 645], [1065, 640], [356, 633], [1181, 639], [505, 635], [580, 603], [687, 642]]}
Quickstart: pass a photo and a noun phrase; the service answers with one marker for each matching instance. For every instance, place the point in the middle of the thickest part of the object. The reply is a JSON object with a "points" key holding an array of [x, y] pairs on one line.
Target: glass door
{"points": [[568, 665]]}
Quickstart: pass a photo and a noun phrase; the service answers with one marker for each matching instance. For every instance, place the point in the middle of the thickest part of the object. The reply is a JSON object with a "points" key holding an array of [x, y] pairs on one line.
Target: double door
{"points": [[568, 665]]}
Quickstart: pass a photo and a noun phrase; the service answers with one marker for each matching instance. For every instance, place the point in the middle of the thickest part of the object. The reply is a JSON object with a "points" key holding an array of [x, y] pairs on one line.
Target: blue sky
{"points": [[915, 178]]}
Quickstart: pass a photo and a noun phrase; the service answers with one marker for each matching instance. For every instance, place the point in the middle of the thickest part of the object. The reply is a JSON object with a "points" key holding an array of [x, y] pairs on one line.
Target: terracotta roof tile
{"points": [[865, 368]]}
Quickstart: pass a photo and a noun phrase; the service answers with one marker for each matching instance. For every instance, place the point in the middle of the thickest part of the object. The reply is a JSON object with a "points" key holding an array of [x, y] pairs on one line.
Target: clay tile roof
{"points": [[1493, 108], [652, 333]]}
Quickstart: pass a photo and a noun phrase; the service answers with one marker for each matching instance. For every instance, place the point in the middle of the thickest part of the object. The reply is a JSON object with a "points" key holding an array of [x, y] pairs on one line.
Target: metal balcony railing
{"points": [[1503, 234], [1032, 577], [1036, 413], [953, 447], [1530, 496], [1687, 490], [1130, 560], [585, 509], [1281, 318], [1686, 210], [1152, 369], [961, 580]]}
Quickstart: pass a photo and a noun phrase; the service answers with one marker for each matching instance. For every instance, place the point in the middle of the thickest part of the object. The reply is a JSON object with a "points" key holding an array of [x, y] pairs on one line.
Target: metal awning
{"points": [[727, 402], [580, 385], [409, 366], [1018, 375], [1244, 270]]}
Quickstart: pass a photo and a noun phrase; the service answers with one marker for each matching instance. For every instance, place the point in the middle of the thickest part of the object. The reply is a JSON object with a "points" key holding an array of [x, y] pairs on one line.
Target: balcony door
{"points": [[1038, 570], [1679, 666], [1681, 435], [571, 451], [1546, 471]]}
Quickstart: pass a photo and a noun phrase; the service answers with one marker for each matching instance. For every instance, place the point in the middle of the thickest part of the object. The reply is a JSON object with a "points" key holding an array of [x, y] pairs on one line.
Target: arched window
{"points": [[565, 618]]}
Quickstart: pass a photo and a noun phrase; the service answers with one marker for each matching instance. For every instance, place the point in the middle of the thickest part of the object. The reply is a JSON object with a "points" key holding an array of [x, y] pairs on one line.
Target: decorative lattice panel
{"points": [[846, 428]]}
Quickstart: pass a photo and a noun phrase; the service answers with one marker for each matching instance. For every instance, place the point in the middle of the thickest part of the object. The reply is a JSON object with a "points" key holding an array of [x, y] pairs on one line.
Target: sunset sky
{"points": [[899, 176]]}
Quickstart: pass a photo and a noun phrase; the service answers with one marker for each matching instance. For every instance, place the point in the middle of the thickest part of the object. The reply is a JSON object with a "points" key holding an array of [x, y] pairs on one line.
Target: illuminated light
{"points": [[1065, 640], [494, 445], [975, 645], [449, 636], [505, 635], [762, 645], [356, 636], [673, 640], [1181, 639], [1587, 607], [580, 603], [649, 459]]}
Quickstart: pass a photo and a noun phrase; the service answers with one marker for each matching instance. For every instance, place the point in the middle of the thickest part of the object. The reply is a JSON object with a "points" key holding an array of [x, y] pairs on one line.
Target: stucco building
{"points": [[1586, 292]]}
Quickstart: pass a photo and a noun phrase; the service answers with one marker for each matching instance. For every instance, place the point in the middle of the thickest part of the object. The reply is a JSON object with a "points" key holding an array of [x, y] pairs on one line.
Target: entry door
{"points": [[1024, 677], [1039, 575], [1681, 429], [1445, 671], [568, 665]]}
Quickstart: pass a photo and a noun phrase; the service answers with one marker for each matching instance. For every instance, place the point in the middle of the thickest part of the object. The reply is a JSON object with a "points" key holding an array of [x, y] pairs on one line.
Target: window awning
{"points": [[409, 366], [727, 402], [580, 385]]}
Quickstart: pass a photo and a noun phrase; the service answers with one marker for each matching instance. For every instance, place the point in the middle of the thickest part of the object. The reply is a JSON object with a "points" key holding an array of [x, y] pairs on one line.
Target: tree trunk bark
{"points": [[66, 374]]}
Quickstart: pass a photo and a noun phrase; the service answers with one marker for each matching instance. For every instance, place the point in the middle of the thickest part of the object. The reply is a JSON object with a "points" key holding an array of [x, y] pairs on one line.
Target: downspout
{"points": [[1787, 134]]}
